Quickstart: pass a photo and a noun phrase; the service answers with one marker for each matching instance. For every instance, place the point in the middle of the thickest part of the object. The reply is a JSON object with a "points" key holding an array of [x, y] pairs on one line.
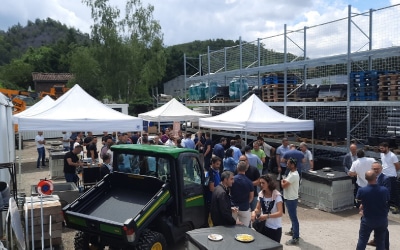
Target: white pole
{"points": [[32, 228], [41, 219], [19, 162]]}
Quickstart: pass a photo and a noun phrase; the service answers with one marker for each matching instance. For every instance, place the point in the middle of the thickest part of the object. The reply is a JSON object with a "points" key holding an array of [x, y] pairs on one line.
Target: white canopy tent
{"points": [[39, 107], [254, 115], [172, 111], [7, 149], [77, 110]]}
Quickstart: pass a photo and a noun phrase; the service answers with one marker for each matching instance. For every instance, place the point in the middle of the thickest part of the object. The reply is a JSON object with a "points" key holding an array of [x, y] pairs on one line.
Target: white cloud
{"points": [[185, 21]]}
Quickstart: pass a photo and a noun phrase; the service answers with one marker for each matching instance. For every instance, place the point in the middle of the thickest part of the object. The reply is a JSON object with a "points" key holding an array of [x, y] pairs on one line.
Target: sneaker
{"points": [[294, 241], [395, 210], [290, 233], [371, 243]]}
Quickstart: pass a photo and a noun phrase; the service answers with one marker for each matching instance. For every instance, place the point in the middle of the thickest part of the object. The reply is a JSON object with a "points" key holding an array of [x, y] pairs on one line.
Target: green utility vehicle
{"points": [[154, 196]]}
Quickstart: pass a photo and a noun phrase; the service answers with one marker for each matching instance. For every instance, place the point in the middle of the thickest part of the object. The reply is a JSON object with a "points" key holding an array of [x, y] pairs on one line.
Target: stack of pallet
{"points": [[51, 207], [278, 79], [389, 87], [275, 92], [364, 86]]}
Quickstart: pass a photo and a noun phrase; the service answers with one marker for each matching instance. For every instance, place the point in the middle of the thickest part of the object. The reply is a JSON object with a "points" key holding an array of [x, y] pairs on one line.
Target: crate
{"points": [[337, 197], [364, 97], [51, 207]]}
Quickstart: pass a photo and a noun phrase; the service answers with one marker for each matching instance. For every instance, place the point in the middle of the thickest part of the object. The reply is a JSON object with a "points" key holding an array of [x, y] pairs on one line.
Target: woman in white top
{"points": [[269, 208]]}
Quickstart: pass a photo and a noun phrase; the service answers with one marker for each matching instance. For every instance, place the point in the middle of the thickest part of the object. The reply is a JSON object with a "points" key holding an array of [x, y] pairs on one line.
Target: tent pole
{"points": [[312, 140], [245, 137], [19, 161]]}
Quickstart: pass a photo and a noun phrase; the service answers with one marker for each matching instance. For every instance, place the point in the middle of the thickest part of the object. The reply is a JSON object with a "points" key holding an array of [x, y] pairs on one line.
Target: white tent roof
{"points": [[255, 116], [172, 111], [77, 110], [39, 107]]}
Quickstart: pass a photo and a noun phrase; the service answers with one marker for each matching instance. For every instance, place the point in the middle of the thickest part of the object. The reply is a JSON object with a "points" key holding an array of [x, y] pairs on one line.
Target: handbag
{"points": [[258, 225]]}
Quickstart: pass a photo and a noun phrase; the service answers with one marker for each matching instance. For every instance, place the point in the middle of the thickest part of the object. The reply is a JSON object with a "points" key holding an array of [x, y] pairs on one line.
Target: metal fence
{"points": [[317, 51], [322, 54]]}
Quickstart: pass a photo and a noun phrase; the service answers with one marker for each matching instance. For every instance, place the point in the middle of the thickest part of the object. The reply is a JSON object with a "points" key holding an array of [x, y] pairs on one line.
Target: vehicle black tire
{"points": [[151, 240], [81, 241]]}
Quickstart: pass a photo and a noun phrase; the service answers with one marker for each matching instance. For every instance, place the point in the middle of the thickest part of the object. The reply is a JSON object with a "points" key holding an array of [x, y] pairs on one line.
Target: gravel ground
{"points": [[318, 229]]}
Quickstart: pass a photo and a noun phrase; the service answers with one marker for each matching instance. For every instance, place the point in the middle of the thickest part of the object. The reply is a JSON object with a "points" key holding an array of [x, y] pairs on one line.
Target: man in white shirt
{"points": [[40, 141], [391, 165], [66, 141], [360, 167], [290, 186]]}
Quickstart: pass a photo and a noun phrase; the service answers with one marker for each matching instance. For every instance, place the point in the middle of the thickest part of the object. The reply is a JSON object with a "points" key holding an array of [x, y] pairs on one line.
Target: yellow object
{"points": [[244, 237]]}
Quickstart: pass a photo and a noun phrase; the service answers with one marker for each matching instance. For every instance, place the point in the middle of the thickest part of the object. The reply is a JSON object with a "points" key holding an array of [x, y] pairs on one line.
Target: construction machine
{"points": [[55, 92]]}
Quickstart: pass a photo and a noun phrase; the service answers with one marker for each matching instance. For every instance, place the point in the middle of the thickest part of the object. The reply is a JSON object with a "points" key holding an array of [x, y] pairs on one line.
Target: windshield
{"points": [[144, 165]]}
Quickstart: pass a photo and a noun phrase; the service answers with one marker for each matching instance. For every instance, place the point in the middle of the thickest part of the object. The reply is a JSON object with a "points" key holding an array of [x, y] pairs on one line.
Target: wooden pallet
{"points": [[329, 143], [371, 148], [273, 136], [303, 139], [389, 77], [383, 88], [389, 98], [281, 99], [330, 99], [390, 93], [311, 99]]}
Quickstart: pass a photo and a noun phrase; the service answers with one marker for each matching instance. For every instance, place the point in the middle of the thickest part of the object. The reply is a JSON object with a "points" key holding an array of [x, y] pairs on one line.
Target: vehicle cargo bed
{"points": [[117, 203]]}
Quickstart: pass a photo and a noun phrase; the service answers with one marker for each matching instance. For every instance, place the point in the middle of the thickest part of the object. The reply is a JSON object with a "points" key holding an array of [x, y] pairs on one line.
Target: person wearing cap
{"points": [[290, 187]]}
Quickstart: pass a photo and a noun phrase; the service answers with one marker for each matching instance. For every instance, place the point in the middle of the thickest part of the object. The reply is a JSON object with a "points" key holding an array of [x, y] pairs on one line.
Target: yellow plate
{"points": [[215, 237], [244, 237]]}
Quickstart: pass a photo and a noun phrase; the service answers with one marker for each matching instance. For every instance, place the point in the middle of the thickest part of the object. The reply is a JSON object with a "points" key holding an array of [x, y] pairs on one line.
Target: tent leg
{"points": [[19, 161], [245, 137], [312, 141]]}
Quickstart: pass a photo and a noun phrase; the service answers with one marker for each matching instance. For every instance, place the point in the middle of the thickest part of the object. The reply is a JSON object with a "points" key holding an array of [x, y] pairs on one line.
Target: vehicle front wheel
{"points": [[151, 240]]}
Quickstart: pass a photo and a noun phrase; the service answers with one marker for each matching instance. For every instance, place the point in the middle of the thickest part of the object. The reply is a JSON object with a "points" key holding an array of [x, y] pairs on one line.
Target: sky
{"points": [[184, 21]]}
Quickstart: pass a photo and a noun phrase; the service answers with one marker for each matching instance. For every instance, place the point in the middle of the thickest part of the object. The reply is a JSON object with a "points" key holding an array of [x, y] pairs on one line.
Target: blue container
{"points": [[235, 86], [192, 92], [212, 88], [364, 98], [201, 90]]}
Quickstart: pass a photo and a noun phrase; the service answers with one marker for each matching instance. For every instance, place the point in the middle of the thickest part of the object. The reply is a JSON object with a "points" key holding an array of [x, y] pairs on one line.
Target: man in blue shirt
{"points": [[252, 159], [242, 193], [295, 154], [236, 151], [374, 207], [219, 149], [280, 151], [188, 142]]}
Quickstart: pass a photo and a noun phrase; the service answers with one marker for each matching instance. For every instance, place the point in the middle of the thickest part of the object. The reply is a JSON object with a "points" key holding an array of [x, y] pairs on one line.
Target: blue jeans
{"points": [[69, 177], [41, 156], [291, 206], [364, 233]]}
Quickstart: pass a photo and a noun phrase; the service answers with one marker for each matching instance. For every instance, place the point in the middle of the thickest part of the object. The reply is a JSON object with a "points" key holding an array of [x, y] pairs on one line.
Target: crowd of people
{"points": [[375, 189], [240, 188]]}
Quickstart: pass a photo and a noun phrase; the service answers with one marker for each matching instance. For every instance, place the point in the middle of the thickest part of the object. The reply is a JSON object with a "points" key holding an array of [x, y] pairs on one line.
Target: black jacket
{"points": [[221, 213]]}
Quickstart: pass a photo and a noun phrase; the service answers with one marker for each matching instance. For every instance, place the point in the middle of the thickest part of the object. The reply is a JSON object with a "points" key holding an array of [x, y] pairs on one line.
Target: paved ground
{"points": [[318, 229]]}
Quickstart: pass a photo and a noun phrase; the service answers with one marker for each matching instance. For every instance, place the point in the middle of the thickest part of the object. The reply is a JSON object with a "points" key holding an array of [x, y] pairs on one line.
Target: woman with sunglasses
{"points": [[269, 208]]}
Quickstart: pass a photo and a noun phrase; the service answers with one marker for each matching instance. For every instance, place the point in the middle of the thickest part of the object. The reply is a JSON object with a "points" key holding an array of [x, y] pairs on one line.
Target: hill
{"points": [[18, 39]]}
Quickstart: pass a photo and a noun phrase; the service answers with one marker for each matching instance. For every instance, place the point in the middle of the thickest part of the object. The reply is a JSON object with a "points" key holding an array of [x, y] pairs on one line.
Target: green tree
{"points": [[17, 73], [129, 49], [86, 70]]}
